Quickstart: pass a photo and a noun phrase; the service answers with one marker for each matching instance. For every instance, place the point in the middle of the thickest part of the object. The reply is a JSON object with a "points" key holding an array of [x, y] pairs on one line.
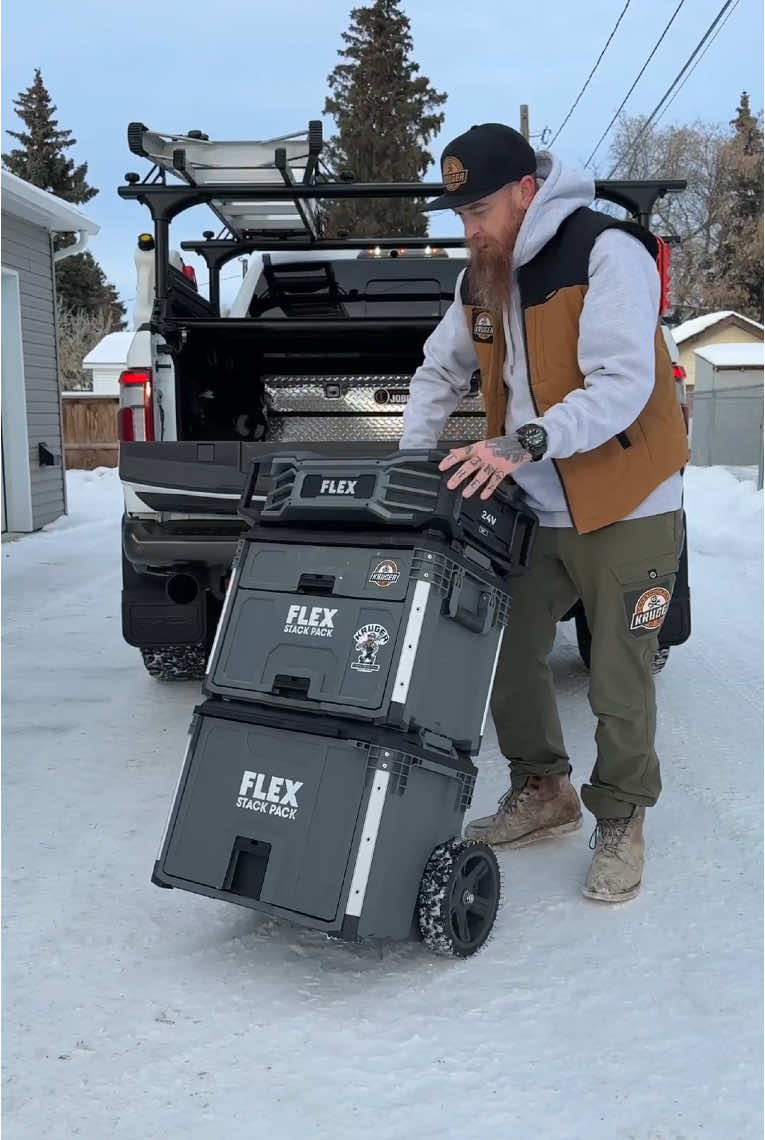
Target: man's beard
{"points": [[491, 267]]}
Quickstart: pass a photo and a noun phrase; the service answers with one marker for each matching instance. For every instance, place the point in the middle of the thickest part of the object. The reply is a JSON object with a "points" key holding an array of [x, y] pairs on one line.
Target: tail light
{"points": [[190, 275], [135, 419], [664, 265], [679, 374]]}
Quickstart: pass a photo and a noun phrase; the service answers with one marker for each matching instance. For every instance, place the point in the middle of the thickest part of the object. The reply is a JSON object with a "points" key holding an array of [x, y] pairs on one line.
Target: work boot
{"points": [[537, 807], [617, 865]]}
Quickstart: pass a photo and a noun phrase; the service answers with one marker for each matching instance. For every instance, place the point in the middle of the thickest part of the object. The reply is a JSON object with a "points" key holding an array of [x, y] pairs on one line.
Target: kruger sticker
{"points": [[385, 573], [650, 609], [368, 641]]}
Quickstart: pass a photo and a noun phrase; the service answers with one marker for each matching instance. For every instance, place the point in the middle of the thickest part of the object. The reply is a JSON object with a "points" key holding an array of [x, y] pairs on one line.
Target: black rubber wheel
{"points": [[176, 662], [135, 133], [584, 641], [459, 896], [315, 136]]}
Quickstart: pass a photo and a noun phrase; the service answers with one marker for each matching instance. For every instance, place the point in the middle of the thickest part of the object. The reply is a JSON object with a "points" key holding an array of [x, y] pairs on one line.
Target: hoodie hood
{"points": [[561, 192]]}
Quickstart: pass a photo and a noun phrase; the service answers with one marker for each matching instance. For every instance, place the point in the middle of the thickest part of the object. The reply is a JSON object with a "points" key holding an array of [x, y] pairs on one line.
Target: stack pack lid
{"points": [[401, 491]]}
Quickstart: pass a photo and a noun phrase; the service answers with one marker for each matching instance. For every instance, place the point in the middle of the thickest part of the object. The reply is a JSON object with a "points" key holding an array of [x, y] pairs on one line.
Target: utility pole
{"points": [[543, 136]]}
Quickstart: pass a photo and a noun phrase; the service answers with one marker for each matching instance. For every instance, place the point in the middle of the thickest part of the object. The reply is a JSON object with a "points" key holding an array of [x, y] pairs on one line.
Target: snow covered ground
{"points": [[137, 1013]]}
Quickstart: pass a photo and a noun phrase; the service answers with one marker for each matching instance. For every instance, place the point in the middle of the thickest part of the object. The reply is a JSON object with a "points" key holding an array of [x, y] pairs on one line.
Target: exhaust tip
{"points": [[182, 589]]}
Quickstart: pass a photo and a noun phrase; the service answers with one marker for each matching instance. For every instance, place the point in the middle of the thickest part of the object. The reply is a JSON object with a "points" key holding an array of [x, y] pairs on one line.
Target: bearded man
{"points": [[559, 308]]}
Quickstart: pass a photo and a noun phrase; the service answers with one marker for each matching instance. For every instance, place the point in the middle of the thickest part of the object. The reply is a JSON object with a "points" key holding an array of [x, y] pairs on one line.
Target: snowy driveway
{"points": [[136, 1013]]}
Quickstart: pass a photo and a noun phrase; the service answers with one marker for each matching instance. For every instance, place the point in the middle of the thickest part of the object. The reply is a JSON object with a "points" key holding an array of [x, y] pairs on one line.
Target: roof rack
{"points": [[266, 194], [195, 160]]}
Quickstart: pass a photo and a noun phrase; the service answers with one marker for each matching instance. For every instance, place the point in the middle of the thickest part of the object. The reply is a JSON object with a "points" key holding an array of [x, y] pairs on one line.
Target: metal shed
{"points": [[728, 405]]}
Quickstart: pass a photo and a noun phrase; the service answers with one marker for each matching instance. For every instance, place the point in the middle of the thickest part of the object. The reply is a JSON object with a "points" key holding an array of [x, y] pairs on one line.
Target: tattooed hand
{"points": [[488, 462]]}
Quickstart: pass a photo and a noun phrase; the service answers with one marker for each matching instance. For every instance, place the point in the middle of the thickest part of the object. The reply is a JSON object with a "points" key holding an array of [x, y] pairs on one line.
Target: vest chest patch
{"points": [[483, 326]]}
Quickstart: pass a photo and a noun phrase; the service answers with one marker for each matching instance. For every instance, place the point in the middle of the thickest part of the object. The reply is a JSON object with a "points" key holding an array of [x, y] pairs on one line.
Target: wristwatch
{"points": [[533, 439]]}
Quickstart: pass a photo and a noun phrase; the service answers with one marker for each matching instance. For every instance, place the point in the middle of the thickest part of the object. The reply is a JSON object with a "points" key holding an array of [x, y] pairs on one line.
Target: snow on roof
{"points": [[37, 206], [111, 349], [745, 354], [698, 325]]}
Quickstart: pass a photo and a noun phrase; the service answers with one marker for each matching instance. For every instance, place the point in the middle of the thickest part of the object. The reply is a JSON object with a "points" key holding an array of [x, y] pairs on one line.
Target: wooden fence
{"points": [[90, 430]]}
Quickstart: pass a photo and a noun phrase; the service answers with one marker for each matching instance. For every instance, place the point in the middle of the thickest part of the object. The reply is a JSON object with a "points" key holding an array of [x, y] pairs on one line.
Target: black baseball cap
{"points": [[481, 161]]}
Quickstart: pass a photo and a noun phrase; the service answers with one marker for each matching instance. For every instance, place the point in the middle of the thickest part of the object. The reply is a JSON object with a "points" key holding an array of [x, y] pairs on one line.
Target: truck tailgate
{"points": [[205, 477]]}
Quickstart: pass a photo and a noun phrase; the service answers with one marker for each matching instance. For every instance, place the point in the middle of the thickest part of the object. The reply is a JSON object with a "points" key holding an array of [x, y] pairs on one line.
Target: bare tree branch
{"points": [[79, 331]]}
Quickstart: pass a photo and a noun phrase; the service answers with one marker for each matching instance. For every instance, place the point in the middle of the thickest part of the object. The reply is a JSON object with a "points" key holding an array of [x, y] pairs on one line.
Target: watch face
{"points": [[534, 439]]}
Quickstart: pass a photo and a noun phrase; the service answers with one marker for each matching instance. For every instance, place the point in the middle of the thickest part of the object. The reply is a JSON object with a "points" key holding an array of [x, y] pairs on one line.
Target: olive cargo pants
{"points": [[624, 575]]}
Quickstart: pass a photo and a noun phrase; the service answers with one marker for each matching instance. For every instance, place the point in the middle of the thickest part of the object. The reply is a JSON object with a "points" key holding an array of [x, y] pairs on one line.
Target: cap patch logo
{"points": [[483, 326], [454, 173], [650, 609]]}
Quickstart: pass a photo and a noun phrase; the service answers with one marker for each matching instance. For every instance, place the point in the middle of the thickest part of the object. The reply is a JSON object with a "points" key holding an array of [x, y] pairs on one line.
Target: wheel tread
{"points": [[432, 903], [176, 662]]}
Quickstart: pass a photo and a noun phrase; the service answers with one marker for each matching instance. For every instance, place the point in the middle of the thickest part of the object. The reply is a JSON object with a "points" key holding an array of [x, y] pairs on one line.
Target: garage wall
{"points": [[27, 249]]}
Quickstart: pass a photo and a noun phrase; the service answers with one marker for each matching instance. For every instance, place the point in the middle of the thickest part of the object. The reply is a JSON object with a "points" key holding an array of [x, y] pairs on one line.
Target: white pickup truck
{"points": [[317, 347]]}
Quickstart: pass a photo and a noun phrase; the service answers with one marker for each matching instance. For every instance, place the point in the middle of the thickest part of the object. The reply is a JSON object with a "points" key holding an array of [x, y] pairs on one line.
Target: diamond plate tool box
{"points": [[311, 409]]}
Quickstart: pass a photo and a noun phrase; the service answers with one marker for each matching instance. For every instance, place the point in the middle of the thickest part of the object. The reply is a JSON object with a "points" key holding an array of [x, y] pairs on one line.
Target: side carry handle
{"points": [[479, 620], [244, 509], [528, 523]]}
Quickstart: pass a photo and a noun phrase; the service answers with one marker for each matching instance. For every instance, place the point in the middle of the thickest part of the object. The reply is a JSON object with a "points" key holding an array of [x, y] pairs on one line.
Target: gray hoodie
{"points": [[615, 352]]}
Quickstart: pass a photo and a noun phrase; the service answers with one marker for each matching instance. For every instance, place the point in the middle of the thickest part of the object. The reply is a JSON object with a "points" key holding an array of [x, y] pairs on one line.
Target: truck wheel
{"points": [[176, 662], [584, 641], [583, 638], [458, 899]]}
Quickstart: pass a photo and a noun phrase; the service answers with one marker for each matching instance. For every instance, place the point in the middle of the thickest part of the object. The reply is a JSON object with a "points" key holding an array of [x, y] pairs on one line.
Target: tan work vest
{"points": [[606, 484]]}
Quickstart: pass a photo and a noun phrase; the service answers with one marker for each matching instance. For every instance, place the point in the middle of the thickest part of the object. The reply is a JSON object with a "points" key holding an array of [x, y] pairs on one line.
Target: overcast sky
{"points": [[257, 69]]}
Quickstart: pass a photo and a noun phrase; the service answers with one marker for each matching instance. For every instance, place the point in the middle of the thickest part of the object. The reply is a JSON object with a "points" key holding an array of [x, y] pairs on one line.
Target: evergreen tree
{"points": [[735, 273], [81, 284], [718, 217], [385, 115], [41, 160]]}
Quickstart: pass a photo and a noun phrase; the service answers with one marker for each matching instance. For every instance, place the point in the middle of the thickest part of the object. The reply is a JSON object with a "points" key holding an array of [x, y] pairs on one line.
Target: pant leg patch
{"points": [[646, 609]]}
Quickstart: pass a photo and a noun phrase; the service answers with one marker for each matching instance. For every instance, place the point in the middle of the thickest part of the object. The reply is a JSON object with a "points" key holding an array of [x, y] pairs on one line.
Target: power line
{"points": [[595, 68], [660, 106], [698, 61], [637, 80]]}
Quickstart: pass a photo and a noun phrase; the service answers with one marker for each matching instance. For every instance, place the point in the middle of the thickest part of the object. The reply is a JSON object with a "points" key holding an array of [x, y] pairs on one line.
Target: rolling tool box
{"points": [[394, 626], [323, 821], [327, 774]]}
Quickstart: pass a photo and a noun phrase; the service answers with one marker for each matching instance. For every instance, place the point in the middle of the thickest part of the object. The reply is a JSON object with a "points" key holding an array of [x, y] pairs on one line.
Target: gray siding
{"points": [[27, 249]]}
